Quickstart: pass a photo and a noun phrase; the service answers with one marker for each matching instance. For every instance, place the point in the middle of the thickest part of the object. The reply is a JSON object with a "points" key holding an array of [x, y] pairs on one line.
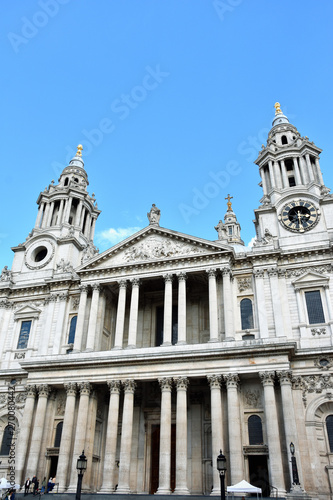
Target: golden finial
{"points": [[277, 108], [229, 202], [79, 150]]}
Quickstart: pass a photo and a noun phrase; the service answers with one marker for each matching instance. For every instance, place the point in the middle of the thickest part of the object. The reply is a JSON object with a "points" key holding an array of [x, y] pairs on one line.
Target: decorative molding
{"points": [[19, 355], [267, 378], [165, 384], [244, 284], [181, 383], [214, 381], [252, 398], [232, 380], [129, 386], [318, 331], [114, 386]]}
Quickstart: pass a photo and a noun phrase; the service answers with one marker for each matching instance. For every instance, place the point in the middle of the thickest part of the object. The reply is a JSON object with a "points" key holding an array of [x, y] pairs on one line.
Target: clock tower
{"points": [[296, 206]]}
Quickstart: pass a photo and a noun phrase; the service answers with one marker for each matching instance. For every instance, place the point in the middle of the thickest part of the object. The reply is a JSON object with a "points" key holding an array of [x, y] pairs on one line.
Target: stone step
{"points": [[114, 496]]}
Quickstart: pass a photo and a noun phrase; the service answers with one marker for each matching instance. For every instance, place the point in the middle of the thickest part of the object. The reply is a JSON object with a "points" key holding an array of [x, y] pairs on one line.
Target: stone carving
{"points": [[20, 399], [75, 302], [323, 362], [267, 239], [89, 251], [71, 389], [129, 385], [304, 270], [181, 383], [114, 386], [165, 384], [156, 248], [221, 231], [258, 273], [244, 284], [267, 378], [318, 331], [19, 355], [3, 399], [64, 267], [252, 399], [6, 274], [154, 215], [61, 404], [214, 381], [231, 380]]}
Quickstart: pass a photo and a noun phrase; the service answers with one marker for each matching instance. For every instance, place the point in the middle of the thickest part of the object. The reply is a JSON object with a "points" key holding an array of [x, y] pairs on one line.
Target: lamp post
{"points": [[295, 478], [222, 468], [81, 466]]}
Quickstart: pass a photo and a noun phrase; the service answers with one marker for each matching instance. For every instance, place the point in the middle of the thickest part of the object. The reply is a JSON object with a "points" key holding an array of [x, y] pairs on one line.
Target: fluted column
{"points": [[216, 419], [227, 302], [93, 317], [181, 308], [37, 433], [234, 425], [167, 321], [80, 432], [276, 302], [181, 437], [119, 335], [62, 298], [289, 420], [111, 438], [80, 318], [273, 435], [134, 309], [213, 317], [47, 327], [66, 437], [126, 438], [25, 433], [261, 305], [165, 438]]}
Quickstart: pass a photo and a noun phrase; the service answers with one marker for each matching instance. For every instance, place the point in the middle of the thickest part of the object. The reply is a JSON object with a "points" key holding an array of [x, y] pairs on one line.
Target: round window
{"points": [[39, 254]]}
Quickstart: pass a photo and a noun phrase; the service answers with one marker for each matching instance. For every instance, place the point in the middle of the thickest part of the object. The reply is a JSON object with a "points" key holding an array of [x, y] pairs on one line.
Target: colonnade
{"points": [[226, 431]]}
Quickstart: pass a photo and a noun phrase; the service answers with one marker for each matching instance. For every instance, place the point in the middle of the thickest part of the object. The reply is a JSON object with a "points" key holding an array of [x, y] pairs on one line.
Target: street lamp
{"points": [[294, 464], [222, 468], [81, 466]]}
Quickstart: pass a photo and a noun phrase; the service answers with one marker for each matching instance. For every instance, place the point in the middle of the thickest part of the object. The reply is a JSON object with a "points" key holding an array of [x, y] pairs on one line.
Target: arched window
{"points": [[246, 314], [284, 139], [329, 428], [72, 329], [7, 440], [255, 430], [66, 182], [58, 434]]}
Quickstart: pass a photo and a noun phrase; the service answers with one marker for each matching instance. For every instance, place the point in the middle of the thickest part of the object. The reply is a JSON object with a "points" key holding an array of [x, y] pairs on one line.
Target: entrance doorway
{"points": [[259, 473], [155, 458], [53, 466]]}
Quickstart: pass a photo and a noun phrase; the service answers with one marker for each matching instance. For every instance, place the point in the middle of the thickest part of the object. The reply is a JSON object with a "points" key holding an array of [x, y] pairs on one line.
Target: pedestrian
{"points": [[36, 485], [27, 486], [44, 484]]}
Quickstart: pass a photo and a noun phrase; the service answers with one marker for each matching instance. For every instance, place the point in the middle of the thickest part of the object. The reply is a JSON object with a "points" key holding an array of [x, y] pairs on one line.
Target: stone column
{"points": [[46, 215], [227, 302], [276, 302], [235, 436], [289, 419], [181, 437], [80, 318], [88, 226], [261, 305], [37, 433], [47, 327], [167, 322], [213, 317], [61, 212], [119, 335], [319, 174], [66, 437], [126, 438], [68, 209], [284, 175], [90, 345], [304, 171], [297, 172], [78, 214], [50, 214], [58, 337], [329, 307], [93, 225], [165, 438], [80, 432], [181, 308], [271, 176], [273, 435], [264, 182], [216, 419], [134, 308], [278, 174], [90, 438], [40, 214], [310, 170], [301, 313], [111, 438], [23, 441]]}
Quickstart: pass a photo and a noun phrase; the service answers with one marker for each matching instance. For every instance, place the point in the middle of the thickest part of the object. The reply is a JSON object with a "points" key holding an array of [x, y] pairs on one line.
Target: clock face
{"points": [[299, 216]]}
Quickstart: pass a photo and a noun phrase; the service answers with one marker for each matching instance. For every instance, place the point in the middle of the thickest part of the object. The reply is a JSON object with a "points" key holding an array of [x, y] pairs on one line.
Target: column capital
{"points": [[63, 296], [214, 381], [285, 377], [30, 391], [165, 384], [85, 388], [135, 282], [211, 272], [231, 379], [43, 390], [71, 388], [129, 385], [272, 272], [83, 288], [181, 383], [168, 278], [96, 286], [226, 271], [114, 386], [122, 284], [267, 378], [182, 276], [258, 273]]}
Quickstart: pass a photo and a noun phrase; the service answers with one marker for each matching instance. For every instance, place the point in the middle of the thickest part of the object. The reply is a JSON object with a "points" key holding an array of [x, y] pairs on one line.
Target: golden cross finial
{"points": [[79, 150], [277, 108], [229, 202]]}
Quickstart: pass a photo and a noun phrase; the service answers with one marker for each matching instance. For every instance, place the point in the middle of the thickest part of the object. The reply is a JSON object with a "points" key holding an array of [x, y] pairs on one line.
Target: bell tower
{"points": [[64, 229], [295, 198]]}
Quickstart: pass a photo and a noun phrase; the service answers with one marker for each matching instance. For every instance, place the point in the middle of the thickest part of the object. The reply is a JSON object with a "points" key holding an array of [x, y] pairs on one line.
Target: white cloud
{"points": [[113, 235], [250, 244]]}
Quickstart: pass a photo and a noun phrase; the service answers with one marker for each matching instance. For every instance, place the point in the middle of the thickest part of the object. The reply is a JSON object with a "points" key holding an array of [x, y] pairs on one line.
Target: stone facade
{"points": [[167, 348]]}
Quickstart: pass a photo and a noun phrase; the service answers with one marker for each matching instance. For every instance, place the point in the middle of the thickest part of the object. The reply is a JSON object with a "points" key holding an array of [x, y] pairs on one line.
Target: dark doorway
{"points": [[259, 473], [53, 467], [155, 458]]}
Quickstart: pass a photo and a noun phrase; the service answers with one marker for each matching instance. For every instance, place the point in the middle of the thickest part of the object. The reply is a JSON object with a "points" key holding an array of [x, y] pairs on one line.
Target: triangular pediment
{"points": [[153, 244], [310, 279], [27, 311]]}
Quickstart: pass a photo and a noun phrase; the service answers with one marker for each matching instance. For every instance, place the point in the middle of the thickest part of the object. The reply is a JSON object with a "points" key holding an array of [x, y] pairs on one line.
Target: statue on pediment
{"points": [[154, 215]]}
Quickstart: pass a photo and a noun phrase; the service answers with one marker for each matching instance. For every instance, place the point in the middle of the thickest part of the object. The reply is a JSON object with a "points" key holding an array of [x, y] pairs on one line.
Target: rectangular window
{"points": [[24, 335], [314, 307]]}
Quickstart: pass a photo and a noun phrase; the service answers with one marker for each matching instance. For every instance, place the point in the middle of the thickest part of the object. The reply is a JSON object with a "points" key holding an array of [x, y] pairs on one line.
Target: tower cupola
{"points": [[229, 230]]}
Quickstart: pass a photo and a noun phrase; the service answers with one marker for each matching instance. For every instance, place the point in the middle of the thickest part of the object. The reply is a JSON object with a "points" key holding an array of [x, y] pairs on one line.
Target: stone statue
{"points": [[221, 230], [6, 274], [154, 215]]}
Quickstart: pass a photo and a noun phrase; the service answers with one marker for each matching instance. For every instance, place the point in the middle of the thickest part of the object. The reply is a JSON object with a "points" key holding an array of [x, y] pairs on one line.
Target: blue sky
{"points": [[165, 96]]}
